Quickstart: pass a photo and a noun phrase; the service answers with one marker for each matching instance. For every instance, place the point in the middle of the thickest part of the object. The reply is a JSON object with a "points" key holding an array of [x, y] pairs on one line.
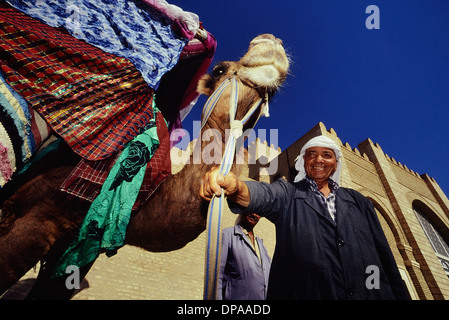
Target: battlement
{"points": [[258, 149], [376, 145], [356, 151], [403, 166]]}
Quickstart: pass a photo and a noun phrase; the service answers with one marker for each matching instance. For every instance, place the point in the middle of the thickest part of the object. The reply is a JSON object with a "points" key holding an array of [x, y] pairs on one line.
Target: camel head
{"points": [[259, 74]]}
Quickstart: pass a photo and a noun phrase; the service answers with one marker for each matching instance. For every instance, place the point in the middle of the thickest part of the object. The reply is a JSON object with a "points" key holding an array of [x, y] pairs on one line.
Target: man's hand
{"points": [[213, 182]]}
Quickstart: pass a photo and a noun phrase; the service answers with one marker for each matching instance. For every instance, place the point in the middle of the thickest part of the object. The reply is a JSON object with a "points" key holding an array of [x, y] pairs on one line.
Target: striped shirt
{"points": [[329, 201]]}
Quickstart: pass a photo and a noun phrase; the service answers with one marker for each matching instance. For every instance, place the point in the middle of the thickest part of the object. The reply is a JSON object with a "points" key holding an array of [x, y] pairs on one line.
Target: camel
{"points": [[38, 221]]}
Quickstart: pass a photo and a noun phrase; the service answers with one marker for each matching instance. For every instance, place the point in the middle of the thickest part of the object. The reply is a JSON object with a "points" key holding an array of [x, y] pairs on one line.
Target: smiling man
{"points": [[328, 238]]}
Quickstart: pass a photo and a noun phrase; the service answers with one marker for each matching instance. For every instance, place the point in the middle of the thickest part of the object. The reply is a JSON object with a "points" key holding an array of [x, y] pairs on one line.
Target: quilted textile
{"points": [[21, 132]]}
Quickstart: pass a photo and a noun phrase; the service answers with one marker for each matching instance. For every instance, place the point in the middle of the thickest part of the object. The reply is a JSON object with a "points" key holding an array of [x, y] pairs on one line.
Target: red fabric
{"points": [[159, 166], [86, 179]]}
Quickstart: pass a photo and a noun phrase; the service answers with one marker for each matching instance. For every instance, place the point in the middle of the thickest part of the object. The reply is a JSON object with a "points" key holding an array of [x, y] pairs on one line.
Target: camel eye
{"points": [[219, 70]]}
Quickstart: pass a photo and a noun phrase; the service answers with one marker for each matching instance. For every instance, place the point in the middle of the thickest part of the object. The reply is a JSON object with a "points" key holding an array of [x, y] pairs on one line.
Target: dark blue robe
{"points": [[316, 258]]}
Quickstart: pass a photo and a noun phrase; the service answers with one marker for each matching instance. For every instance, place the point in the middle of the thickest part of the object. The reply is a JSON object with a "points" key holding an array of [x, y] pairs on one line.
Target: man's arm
{"points": [[267, 200]]}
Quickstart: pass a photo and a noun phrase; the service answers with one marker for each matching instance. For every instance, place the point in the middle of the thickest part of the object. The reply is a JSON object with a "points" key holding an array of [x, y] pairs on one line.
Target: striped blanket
{"points": [[22, 131]]}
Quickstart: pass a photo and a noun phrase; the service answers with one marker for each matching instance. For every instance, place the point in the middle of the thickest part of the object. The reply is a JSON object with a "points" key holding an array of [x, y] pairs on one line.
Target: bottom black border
{"points": [[195, 309]]}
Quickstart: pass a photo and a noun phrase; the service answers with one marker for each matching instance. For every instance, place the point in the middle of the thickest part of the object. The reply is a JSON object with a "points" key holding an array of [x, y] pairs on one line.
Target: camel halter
{"points": [[215, 210]]}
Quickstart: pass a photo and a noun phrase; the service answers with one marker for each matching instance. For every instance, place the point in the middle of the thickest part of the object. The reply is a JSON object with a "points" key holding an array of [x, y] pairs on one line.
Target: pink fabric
{"points": [[183, 21], [5, 165]]}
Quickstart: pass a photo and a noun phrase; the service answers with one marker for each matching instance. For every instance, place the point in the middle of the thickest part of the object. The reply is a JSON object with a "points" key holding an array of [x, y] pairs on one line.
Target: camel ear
{"points": [[205, 85]]}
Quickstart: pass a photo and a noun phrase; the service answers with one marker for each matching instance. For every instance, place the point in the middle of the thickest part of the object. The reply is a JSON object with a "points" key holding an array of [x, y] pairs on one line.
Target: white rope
{"points": [[215, 211]]}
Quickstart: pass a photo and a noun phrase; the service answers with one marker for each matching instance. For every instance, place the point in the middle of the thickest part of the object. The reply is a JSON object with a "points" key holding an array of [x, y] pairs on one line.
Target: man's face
{"points": [[250, 220], [320, 163]]}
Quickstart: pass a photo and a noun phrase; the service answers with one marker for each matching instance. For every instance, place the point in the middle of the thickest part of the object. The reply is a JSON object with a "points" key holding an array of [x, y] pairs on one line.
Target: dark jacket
{"points": [[317, 259], [242, 275]]}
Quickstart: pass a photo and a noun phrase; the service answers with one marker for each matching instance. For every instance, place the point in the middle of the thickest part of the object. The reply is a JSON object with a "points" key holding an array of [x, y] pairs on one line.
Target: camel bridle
{"points": [[215, 210], [215, 97]]}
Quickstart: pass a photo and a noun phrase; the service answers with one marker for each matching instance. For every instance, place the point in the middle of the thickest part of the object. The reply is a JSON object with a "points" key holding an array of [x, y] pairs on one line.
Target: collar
{"points": [[238, 229], [314, 187], [343, 200]]}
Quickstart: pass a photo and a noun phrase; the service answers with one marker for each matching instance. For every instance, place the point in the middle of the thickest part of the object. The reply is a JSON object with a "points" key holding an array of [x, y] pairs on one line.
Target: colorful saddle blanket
{"points": [[95, 100]]}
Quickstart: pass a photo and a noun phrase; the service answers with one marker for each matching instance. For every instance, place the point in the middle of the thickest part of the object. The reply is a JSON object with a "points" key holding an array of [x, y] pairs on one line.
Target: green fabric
{"points": [[104, 227]]}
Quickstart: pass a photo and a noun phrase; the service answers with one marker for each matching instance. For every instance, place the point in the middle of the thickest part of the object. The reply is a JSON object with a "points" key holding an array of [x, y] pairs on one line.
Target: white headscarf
{"points": [[320, 141]]}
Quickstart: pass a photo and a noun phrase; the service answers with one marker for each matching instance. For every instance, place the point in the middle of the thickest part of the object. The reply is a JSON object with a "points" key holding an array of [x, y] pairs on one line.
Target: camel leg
{"points": [[47, 288], [28, 239], [20, 251], [38, 222]]}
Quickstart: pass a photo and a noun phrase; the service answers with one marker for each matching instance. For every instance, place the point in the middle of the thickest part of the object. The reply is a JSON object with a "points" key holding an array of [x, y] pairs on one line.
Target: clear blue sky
{"points": [[389, 84]]}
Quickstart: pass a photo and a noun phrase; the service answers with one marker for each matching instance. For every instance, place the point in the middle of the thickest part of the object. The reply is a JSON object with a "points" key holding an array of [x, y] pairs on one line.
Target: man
{"points": [[245, 264], [329, 242]]}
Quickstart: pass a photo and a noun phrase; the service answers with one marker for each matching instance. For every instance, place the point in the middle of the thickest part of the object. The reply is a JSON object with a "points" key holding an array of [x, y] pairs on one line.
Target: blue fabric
{"points": [[126, 28], [242, 276]]}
